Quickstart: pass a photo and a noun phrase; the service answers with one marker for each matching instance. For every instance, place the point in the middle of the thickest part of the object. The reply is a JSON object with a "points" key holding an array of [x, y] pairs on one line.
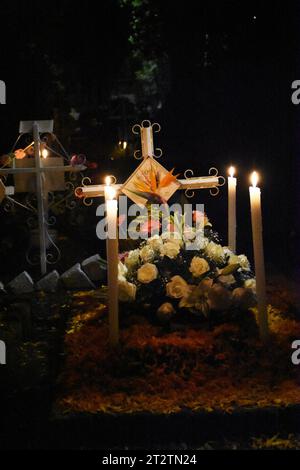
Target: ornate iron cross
{"points": [[40, 176]]}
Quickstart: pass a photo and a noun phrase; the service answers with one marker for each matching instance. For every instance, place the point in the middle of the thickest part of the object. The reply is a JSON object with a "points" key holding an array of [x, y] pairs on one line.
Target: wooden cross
{"points": [[188, 184], [39, 176], [147, 154]]}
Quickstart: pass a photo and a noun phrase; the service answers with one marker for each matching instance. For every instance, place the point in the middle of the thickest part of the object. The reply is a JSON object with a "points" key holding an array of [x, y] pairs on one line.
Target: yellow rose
{"points": [[147, 273], [177, 287], [170, 249], [198, 266], [215, 251], [147, 254], [132, 259], [127, 291], [242, 260], [155, 242]]}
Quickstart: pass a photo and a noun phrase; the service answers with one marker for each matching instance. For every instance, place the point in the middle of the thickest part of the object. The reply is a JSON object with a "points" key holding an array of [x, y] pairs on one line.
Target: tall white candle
{"points": [[112, 261], [258, 250], [232, 209]]}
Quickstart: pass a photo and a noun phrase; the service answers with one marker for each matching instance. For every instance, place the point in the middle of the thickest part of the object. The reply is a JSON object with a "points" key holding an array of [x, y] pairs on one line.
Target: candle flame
{"points": [[45, 153], [110, 191], [231, 171], [108, 181], [254, 179]]}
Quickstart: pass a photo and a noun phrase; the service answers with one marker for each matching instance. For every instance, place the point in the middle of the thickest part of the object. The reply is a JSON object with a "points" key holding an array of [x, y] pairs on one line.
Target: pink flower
{"points": [[78, 160], [123, 256], [150, 226], [198, 215], [91, 165], [171, 228]]}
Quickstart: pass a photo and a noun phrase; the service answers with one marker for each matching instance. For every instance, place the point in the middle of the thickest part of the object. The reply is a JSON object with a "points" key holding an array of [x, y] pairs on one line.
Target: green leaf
{"points": [[230, 269]]}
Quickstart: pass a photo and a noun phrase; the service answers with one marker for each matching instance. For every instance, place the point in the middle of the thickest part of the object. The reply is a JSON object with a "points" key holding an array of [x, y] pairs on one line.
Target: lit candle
{"points": [[112, 261], [232, 209], [258, 249], [45, 153]]}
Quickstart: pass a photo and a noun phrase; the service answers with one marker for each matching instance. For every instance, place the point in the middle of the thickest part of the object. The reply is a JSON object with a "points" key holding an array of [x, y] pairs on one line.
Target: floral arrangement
{"points": [[170, 276], [151, 183]]}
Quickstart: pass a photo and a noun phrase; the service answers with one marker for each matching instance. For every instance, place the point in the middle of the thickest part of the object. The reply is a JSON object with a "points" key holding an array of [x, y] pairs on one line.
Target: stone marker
{"points": [[95, 268], [49, 282], [75, 278], [22, 284]]}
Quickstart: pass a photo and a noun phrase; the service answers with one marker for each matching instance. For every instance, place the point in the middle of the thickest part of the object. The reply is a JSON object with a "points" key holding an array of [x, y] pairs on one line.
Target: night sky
{"points": [[221, 91]]}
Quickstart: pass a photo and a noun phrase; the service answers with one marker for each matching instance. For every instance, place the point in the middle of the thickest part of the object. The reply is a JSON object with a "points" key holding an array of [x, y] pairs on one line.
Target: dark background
{"points": [[215, 74]]}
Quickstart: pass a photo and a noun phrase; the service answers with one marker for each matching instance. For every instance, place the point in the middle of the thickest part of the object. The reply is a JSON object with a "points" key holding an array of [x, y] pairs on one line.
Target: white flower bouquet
{"points": [[172, 274]]}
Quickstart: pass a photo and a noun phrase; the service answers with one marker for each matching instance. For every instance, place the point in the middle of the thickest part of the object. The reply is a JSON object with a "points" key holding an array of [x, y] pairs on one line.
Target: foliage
{"points": [[148, 53]]}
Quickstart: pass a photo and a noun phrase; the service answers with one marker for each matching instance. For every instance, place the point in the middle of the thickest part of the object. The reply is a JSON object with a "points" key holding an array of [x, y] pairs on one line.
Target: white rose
{"points": [[199, 243], [177, 287], [219, 298], [215, 251], [133, 258], [198, 266], [147, 254], [122, 271], [242, 260], [127, 291], [243, 298], [189, 234], [250, 284], [228, 251], [165, 312], [147, 273], [170, 249], [174, 237], [155, 242]]}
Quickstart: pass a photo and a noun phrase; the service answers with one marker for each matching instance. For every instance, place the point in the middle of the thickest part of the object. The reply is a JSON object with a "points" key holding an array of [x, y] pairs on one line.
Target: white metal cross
{"points": [[41, 170]]}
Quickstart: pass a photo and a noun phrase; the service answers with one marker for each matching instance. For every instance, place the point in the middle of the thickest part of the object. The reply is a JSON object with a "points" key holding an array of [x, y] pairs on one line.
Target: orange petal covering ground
{"points": [[159, 371]]}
